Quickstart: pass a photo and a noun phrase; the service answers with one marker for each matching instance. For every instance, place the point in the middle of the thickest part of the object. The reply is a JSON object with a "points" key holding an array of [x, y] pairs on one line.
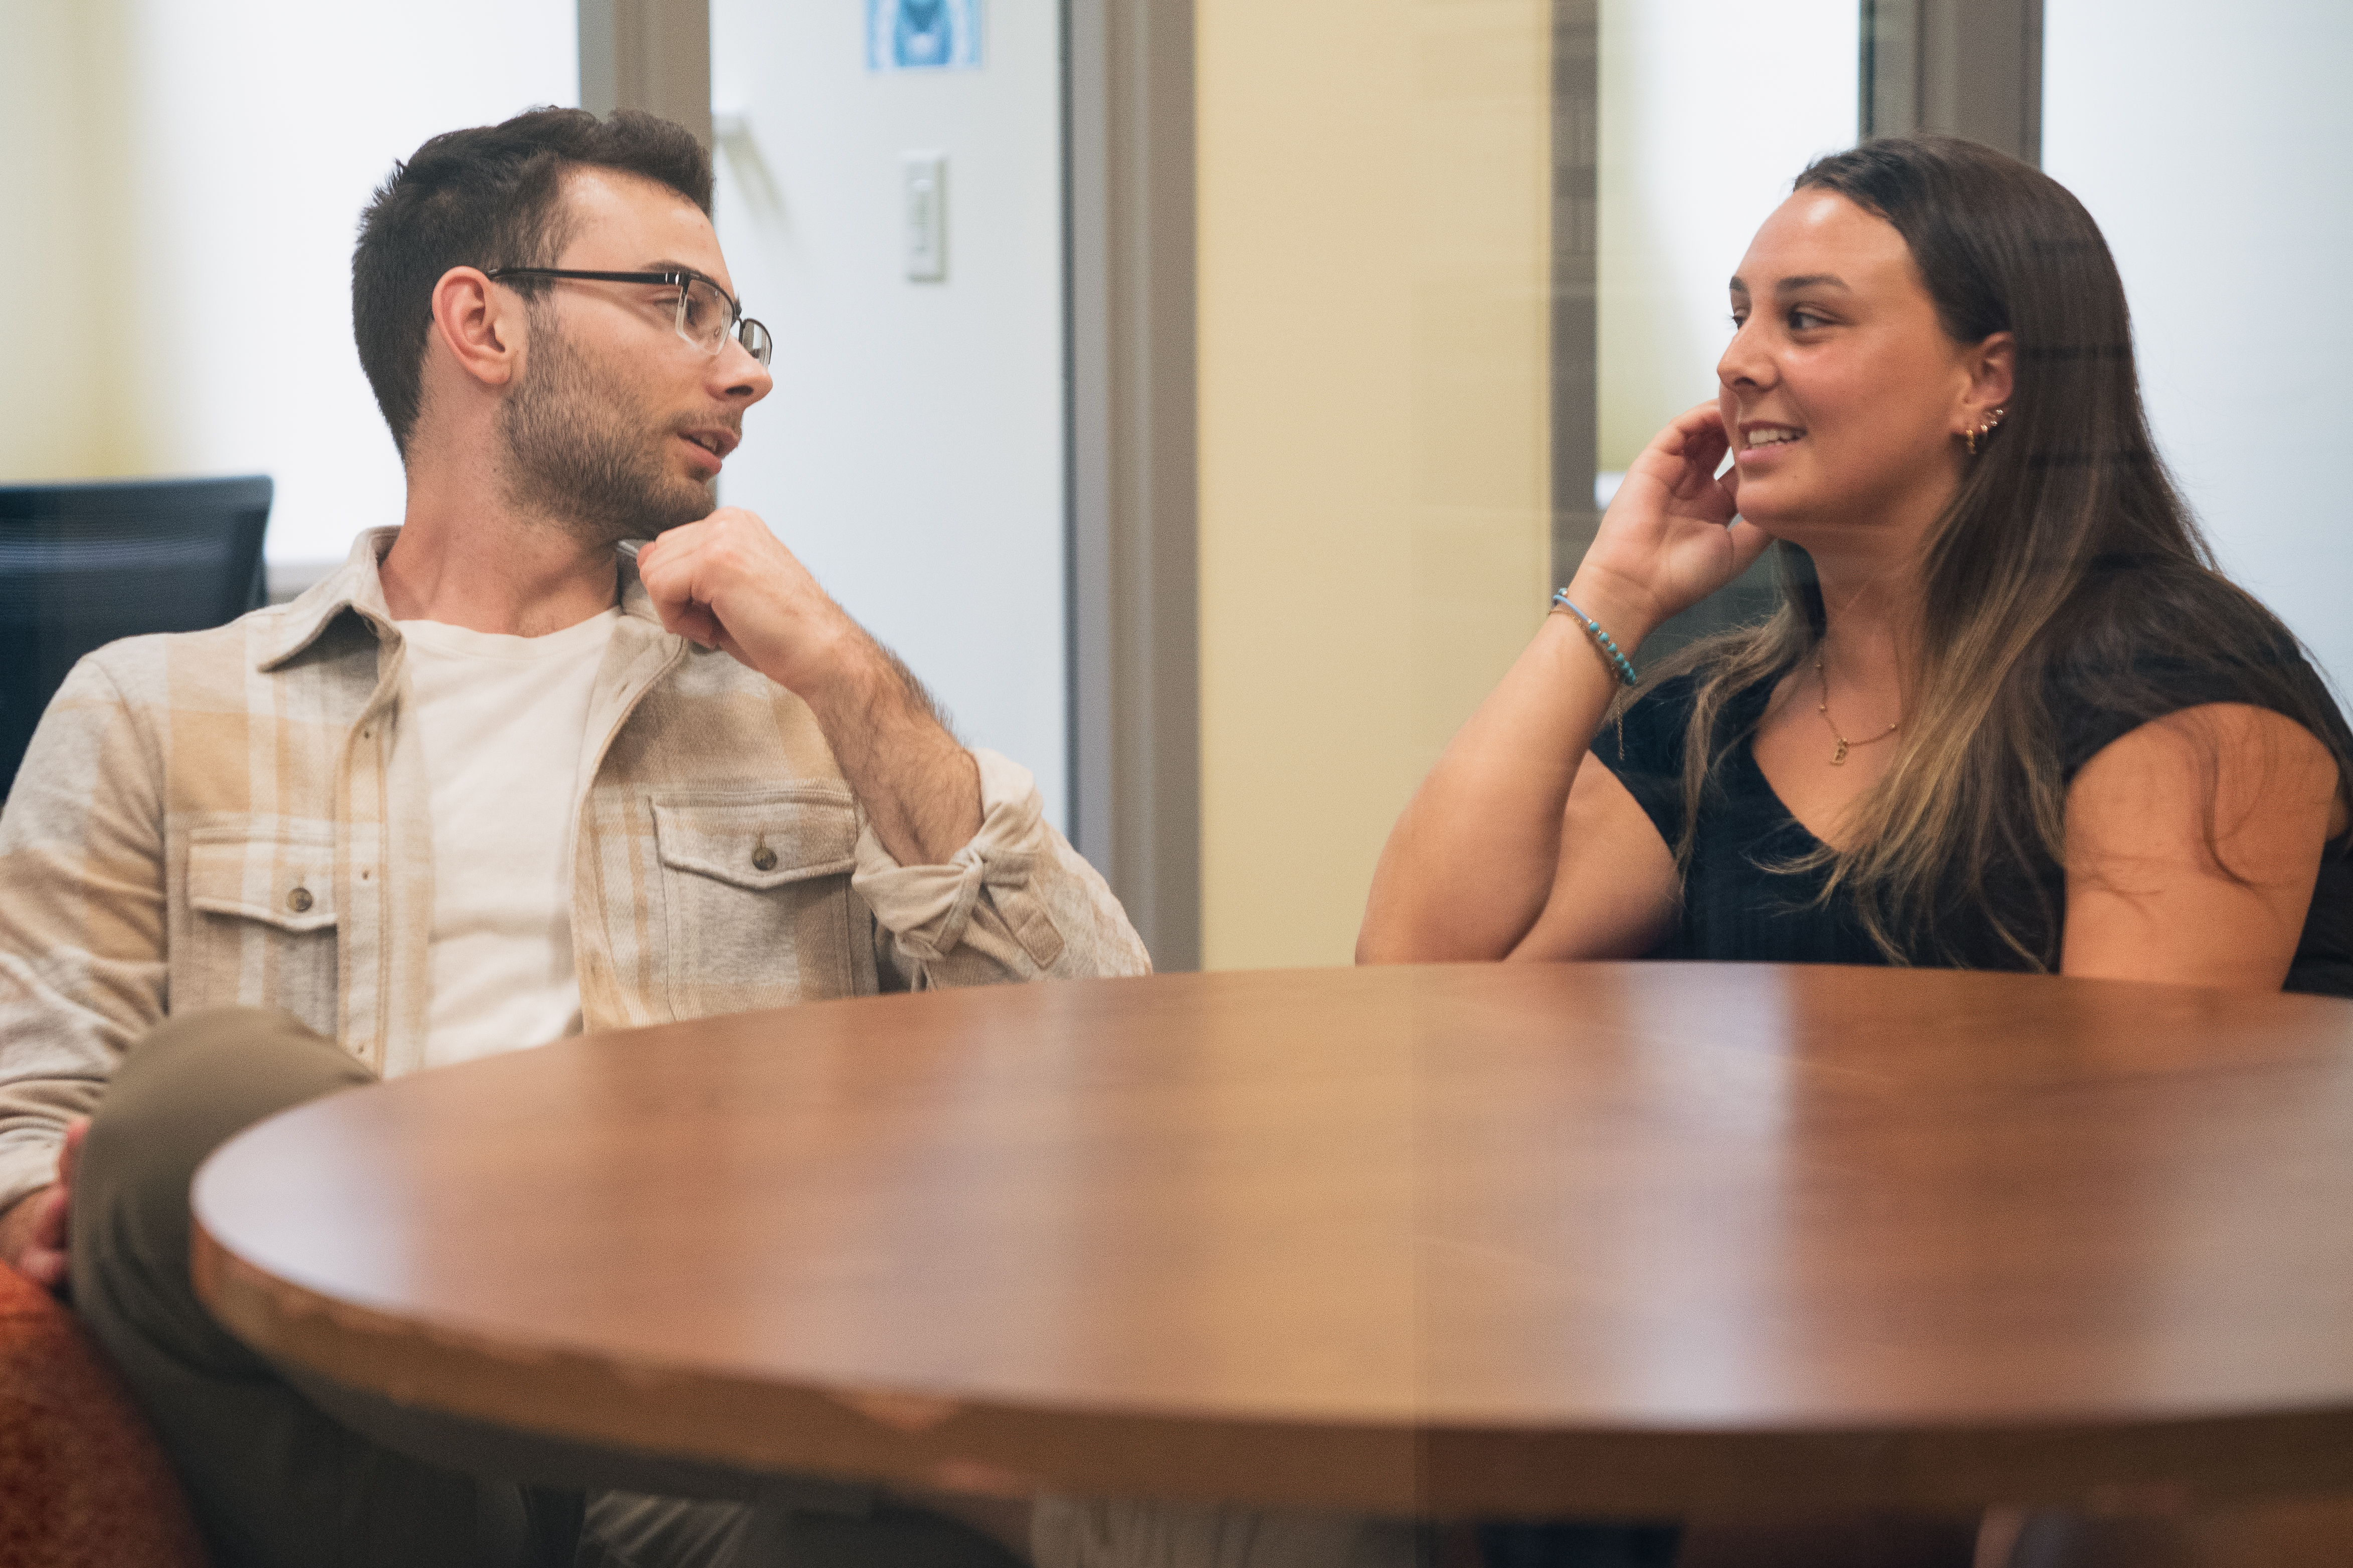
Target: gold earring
{"points": [[1992, 422]]}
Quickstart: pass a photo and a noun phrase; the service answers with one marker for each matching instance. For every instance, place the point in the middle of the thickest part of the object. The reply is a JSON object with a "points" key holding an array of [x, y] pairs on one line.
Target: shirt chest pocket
{"points": [[756, 898], [262, 921]]}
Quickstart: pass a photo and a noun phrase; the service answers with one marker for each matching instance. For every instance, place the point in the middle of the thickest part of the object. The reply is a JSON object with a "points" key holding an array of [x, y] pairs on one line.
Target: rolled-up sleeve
{"points": [[1016, 902]]}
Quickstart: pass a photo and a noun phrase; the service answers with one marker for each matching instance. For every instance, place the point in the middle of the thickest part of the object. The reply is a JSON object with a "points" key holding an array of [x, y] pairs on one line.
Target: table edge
{"points": [[1461, 1471]]}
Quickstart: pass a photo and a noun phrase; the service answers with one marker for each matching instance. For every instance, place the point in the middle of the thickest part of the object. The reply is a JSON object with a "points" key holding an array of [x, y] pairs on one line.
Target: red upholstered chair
{"points": [[82, 1481]]}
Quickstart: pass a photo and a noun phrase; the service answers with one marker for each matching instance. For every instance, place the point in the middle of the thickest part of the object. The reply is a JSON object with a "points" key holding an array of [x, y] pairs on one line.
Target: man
{"points": [[491, 783]]}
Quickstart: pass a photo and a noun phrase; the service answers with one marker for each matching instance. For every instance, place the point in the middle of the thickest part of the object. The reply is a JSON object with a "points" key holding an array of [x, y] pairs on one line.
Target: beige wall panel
{"points": [[1374, 295], [65, 411]]}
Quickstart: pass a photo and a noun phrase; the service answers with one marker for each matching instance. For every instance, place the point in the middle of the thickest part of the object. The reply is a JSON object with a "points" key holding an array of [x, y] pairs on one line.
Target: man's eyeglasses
{"points": [[706, 314]]}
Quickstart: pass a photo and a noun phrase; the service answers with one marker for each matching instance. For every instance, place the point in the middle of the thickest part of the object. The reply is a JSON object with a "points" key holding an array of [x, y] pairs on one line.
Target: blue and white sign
{"points": [[922, 35]]}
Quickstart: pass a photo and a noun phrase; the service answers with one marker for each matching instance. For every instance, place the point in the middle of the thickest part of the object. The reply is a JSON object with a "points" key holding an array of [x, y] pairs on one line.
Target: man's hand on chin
{"points": [[728, 582], [33, 1229]]}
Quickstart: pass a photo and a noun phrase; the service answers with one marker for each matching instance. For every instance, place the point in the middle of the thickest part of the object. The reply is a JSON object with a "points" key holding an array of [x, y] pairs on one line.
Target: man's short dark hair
{"points": [[490, 196]]}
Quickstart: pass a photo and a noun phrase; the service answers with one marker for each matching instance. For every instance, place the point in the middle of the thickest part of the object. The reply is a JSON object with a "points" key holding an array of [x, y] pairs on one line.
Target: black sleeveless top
{"points": [[1735, 908]]}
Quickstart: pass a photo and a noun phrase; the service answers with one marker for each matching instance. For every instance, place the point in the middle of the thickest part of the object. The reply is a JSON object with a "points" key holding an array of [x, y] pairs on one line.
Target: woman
{"points": [[2007, 716]]}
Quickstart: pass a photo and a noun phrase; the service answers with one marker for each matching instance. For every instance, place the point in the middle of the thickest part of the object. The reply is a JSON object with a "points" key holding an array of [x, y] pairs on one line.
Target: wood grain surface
{"points": [[1453, 1239]]}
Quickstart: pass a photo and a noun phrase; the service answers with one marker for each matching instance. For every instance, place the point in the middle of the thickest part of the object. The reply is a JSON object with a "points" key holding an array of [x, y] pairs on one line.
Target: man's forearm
{"points": [[921, 789]]}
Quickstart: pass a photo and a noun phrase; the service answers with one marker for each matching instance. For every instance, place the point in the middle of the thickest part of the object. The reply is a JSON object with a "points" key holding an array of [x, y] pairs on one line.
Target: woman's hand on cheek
{"points": [[1671, 537]]}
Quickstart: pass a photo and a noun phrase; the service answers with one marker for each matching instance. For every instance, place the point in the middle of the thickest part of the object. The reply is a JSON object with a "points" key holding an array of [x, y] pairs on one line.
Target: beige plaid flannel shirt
{"points": [[216, 818]]}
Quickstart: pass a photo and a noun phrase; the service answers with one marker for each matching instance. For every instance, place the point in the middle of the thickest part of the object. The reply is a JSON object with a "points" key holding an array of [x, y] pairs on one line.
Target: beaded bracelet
{"points": [[1593, 629]]}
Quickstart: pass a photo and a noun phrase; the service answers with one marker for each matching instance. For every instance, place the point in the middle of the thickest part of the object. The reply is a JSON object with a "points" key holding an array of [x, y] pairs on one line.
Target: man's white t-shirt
{"points": [[501, 726]]}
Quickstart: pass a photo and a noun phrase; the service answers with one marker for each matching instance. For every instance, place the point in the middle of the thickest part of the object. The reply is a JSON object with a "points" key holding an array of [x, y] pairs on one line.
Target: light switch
{"points": [[926, 178]]}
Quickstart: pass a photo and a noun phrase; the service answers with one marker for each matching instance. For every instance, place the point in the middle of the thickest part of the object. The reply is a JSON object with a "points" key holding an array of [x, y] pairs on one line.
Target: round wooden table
{"points": [[1619, 1239]]}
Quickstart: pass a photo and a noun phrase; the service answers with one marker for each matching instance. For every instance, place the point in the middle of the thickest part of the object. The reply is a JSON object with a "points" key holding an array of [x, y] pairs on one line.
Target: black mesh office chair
{"points": [[83, 564]]}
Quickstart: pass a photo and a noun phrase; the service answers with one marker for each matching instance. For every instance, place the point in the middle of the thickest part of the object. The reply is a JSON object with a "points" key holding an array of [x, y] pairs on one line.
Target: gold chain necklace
{"points": [[1838, 758]]}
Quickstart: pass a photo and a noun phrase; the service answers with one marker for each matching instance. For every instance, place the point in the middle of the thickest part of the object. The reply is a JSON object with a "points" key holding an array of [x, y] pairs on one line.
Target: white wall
{"points": [[912, 453], [238, 142], [2213, 146], [1709, 110]]}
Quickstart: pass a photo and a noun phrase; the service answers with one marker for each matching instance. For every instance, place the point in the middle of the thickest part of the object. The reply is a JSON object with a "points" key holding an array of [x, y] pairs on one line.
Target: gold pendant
{"points": [[1838, 758]]}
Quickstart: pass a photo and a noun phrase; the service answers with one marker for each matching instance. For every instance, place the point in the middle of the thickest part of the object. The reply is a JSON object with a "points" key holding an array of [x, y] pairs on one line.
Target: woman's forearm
{"points": [[1468, 867]]}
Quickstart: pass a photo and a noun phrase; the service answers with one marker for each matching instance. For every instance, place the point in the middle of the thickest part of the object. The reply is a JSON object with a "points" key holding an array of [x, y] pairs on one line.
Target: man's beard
{"points": [[578, 454]]}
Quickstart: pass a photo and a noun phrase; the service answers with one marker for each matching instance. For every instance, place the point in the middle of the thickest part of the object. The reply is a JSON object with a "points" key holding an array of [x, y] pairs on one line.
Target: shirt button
{"points": [[764, 858], [299, 900]]}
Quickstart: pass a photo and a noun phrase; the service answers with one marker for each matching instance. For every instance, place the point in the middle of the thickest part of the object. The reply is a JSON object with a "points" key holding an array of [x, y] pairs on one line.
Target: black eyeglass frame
{"points": [[736, 326]]}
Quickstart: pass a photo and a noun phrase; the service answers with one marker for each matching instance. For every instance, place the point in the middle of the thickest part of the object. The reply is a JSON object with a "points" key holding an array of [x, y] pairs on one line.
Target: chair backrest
{"points": [[83, 1479], [83, 564]]}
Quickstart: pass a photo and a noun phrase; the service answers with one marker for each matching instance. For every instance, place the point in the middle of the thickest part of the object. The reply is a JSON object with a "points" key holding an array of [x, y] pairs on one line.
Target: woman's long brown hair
{"points": [[2066, 555]]}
